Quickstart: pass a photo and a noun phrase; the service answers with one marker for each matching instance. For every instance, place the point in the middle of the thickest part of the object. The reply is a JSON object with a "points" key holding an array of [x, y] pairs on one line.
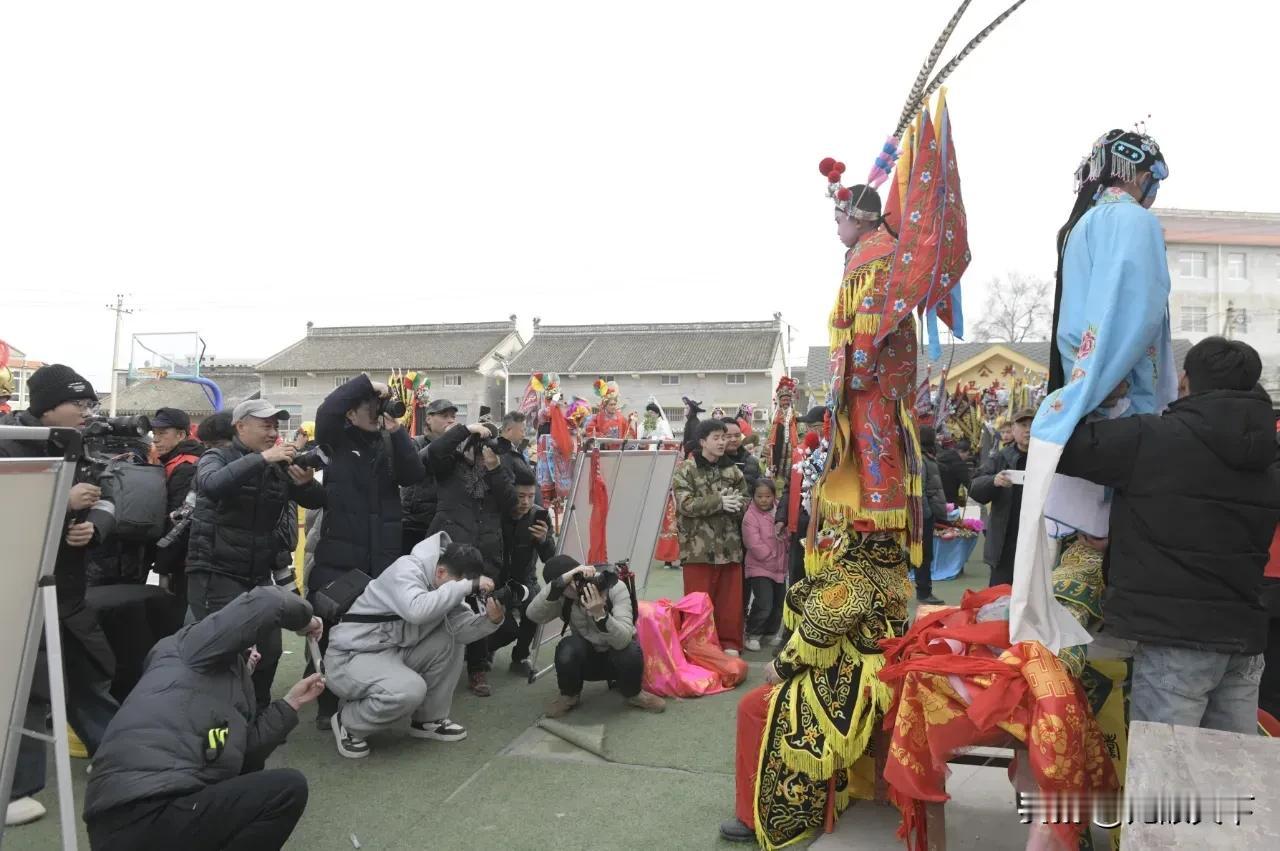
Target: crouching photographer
{"points": [[599, 612], [397, 648], [180, 765]]}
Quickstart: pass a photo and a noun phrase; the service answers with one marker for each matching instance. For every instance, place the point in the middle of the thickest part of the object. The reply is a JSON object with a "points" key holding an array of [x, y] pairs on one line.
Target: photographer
{"points": [[526, 536], [179, 453], [398, 649], [419, 501], [181, 765], [61, 398], [242, 492], [473, 492], [597, 608], [370, 457], [510, 443]]}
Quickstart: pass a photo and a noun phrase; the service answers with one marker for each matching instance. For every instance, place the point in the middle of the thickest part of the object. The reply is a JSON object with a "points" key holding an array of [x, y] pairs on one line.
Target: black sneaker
{"points": [[322, 722], [352, 747], [443, 730], [931, 601], [521, 667], [735, 831]]}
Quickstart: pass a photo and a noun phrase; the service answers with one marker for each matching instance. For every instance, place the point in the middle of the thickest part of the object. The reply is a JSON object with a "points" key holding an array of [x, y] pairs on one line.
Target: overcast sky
{"points": [[241, 168]]}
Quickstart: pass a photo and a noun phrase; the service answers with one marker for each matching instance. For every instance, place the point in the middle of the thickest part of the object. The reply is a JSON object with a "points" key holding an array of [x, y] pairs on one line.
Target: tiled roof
{"points": [[1218, 227], [1034, 350], [145, 397], [383, 347], [673, 347], [817, 366]]}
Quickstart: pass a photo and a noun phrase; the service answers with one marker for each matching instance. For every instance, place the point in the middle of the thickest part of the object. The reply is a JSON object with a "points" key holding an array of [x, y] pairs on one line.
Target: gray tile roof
{"points": [[817, 366], [145, 397], [454, 346], [669, 347]]}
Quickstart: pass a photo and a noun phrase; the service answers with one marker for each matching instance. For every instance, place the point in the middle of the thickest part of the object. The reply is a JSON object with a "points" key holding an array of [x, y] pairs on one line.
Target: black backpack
{"points": [[140, 497]]}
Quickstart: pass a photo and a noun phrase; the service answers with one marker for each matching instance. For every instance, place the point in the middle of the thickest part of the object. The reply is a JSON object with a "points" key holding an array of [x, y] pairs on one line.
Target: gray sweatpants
{"points": [[378, 689]]}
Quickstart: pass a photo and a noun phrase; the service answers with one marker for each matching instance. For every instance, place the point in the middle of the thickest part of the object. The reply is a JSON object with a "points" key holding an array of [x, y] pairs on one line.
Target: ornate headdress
{"points": [[1121, 155], [606, 390], [786, 387], [546, 383]]}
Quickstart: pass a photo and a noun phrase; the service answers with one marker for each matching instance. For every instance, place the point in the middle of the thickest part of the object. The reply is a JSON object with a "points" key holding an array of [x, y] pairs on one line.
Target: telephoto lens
{"points": [[393, 406]]}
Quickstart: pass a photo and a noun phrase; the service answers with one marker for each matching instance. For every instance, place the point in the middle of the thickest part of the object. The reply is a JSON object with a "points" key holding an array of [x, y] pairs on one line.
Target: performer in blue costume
{"points": [[1112, 357]]}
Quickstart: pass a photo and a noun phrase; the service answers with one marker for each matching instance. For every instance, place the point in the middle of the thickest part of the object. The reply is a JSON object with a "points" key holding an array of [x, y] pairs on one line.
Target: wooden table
{"points": [[1207, 766]]}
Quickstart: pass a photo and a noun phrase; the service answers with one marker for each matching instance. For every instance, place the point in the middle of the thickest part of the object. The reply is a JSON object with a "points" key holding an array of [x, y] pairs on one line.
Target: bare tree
{"points": [[1018, 308]]}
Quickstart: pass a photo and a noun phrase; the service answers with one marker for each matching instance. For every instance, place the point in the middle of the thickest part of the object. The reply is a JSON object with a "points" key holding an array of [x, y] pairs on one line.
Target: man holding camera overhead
{"points": [[597, 607], [369, 457], [241, 492]]}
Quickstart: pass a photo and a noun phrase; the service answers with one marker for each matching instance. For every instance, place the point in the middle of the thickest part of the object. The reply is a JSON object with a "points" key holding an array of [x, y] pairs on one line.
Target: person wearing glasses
{"points": [[62, 398]]}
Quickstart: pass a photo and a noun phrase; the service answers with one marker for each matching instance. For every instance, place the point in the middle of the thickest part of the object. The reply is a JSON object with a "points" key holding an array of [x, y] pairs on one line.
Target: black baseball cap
{"points": [[439, 406], [815, 416], [171, 418]]}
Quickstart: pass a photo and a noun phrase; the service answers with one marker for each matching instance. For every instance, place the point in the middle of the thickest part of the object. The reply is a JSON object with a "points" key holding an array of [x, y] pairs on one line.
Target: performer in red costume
{"points": [[608, 422]]}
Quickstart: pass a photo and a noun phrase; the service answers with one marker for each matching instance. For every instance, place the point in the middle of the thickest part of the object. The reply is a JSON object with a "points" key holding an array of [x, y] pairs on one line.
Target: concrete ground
{"points": [[608, 777]]}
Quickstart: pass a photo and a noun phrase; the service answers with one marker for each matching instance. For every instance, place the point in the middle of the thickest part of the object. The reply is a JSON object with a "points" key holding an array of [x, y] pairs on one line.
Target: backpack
{"points": [[140, 498]]}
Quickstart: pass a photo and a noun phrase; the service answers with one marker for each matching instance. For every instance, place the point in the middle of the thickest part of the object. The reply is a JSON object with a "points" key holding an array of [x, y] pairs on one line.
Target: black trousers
{"points": [[327, 703], [924, 573], [766, 606], [208, 593], [252, 812], [479, 654], [578, 661]]}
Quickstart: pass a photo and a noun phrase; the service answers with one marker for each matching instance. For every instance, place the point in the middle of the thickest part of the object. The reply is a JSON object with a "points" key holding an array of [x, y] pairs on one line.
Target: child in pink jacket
{"points": [[766, 565]]}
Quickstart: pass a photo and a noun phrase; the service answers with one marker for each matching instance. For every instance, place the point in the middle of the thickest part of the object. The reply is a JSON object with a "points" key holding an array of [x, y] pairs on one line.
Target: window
{"points": [[453, 381], [736, 378], [295, 420], [289, 381], [1195, 318], [608, 378], [340, 380], [670, 380], [675, 416], [462, 413], [1191, 264], [1237, 267]]}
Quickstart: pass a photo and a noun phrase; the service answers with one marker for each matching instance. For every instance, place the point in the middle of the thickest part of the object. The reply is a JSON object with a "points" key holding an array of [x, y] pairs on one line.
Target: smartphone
{"points": [[1018, 477], [541, 515]]}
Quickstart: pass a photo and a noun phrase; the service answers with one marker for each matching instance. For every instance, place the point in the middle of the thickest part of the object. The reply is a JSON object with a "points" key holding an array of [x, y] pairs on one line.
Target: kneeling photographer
{"points": [[397, 648], [369, 456], [599, 611]]}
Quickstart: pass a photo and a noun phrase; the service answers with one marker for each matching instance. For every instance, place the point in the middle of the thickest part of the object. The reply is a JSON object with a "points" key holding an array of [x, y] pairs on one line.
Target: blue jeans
{"points": [[1196, 688]]}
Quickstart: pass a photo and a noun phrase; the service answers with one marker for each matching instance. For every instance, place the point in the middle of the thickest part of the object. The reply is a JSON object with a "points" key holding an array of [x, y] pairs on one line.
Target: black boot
{"points": [[735, 831]]}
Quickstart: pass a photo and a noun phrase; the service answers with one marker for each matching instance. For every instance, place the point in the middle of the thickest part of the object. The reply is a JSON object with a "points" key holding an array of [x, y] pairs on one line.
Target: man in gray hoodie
{"points": [[398, 649]]}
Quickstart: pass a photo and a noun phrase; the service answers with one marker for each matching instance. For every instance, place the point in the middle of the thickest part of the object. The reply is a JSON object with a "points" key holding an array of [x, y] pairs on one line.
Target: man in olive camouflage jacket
{"points": [[710, 496]]}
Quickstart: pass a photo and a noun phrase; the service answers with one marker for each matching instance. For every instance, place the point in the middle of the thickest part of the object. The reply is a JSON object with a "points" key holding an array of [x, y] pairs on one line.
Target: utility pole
{"points": [[119, 309]]}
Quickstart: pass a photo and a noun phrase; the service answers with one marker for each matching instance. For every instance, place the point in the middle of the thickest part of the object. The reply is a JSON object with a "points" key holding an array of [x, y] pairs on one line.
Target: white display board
{"points": [[33, 494], [637, 481]]}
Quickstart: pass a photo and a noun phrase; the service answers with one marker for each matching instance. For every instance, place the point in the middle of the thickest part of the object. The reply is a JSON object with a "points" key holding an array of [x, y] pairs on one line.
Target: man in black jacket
{"points": [[419, 501], [179, 453], [741, 457], [526, 538], [61, 398], [179, 767], [370, 458], [953, 466], [1196, 502], [242, 490], [511, 435], [995, 486], [474, 493]]}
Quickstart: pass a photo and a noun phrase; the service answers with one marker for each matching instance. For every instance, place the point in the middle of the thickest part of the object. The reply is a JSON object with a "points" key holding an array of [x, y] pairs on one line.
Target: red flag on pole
{"points": [[598, 546]]}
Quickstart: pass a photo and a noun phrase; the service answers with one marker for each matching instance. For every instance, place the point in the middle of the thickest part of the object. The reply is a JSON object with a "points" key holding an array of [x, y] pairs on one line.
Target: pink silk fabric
{"points": [[682, 655]]}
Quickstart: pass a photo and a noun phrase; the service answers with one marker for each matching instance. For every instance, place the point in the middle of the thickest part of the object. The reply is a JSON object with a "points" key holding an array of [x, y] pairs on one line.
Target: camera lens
{"points": [[393, 408]]}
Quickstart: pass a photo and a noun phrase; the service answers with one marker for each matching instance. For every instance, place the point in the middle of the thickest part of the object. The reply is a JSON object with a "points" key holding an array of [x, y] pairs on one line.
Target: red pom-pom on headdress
{"points": [[827, 164], [839, 168], [843, 194], [833, 177]]}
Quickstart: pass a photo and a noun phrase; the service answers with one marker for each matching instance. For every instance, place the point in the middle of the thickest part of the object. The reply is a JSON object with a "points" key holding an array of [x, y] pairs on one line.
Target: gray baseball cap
{"points": [[258, 408], [439, 406]]}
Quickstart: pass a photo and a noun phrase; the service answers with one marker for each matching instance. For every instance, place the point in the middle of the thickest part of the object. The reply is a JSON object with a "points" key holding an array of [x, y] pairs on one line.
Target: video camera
{"points": [[109, 443]]}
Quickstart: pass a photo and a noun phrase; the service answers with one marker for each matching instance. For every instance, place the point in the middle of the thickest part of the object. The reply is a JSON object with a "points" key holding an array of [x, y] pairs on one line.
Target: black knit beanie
{"points": [[50, 386]]}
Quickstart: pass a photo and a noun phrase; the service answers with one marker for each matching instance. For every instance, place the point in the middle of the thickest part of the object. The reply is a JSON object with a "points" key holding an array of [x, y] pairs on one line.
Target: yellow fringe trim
{"points": [[813, 655], [840, 751], [866, 323]]}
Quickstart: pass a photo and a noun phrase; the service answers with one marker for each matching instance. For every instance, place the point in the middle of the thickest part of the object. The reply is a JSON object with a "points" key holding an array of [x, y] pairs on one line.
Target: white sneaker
{"points": [[352, 747], [441, 730], [729, 651], [752, 643], [23, 811]]}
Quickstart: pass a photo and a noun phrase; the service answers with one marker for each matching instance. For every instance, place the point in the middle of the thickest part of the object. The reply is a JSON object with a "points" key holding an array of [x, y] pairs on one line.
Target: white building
{"points": [[720, 364], [1225, 269]]}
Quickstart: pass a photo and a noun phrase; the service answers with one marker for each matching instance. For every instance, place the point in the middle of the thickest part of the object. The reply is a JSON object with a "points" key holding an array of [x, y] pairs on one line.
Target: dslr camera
{"points": [[606, 577], [315, 458], [478, 442], [511, 595]]}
